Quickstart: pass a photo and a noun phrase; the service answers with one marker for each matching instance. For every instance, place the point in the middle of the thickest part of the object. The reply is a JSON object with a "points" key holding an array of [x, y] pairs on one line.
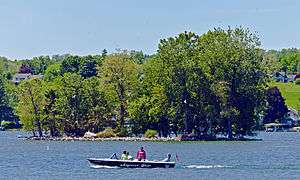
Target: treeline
{"points": [[286, 60], [202, 84]]}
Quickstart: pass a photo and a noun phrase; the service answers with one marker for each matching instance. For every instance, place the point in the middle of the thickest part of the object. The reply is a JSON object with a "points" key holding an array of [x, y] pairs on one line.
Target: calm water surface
{"points": [[277, 157]]}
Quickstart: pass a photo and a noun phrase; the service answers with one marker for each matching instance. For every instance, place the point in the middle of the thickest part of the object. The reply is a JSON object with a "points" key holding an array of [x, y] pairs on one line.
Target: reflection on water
{"points": [[277, 157]]}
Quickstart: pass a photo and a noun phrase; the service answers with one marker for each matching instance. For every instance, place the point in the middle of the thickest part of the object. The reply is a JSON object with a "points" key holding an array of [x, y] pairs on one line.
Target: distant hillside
{"points": [[290, 92]]}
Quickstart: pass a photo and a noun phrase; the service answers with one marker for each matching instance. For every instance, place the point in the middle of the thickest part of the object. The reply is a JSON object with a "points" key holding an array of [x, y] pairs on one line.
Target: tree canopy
{"points": [[195, 84]]}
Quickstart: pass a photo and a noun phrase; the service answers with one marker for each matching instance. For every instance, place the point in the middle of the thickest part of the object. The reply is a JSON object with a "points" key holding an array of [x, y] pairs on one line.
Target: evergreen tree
{"points": [[276, 109]]}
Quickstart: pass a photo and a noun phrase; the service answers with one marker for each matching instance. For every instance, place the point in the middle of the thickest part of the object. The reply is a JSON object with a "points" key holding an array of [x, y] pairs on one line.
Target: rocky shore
{"points": [[66, 138], [137, 139]]}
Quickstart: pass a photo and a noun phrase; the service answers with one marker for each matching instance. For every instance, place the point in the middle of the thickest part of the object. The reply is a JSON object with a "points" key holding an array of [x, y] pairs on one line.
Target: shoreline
{"points": [[128, 139], [133, 139]]}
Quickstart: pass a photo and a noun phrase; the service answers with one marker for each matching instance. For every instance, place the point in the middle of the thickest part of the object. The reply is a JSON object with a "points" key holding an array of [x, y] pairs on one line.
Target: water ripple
{"points": [[205, 166]]}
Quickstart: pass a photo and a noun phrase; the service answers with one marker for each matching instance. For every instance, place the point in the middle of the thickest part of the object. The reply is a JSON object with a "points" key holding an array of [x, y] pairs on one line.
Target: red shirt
{"points": [[141, 154]]}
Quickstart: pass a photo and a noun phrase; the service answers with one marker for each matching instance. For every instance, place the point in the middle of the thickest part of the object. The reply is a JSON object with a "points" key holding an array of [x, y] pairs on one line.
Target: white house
{"points": [[294, 116], [17, 78]]}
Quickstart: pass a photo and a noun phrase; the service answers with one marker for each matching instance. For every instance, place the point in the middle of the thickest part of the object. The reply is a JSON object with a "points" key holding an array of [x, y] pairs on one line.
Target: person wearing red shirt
{"points": [[141, 154]]}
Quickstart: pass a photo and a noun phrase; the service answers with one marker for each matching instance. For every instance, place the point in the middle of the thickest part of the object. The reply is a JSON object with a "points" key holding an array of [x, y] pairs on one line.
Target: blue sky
{"points": [[45, 27]]}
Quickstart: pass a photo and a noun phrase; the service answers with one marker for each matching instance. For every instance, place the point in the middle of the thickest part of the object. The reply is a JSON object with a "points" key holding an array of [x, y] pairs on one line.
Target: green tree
{"points": [[31, 103], [118, 75], [52, 72], [11, 91], [233, 60], [71, 104], [6, 111], [104, 53], [153, 93], [88, 67], [70, 64], [138, 56], [99, 109], [180, 77], [51, 116], [276, 108], [290, 60], [7, 67], [39, 64]]}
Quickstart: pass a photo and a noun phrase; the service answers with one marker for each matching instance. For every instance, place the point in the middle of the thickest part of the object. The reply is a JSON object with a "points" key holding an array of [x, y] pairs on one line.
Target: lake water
{"points": [[276, 157]]}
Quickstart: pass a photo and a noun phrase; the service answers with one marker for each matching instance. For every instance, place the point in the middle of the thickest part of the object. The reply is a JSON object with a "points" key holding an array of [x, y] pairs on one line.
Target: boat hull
{"points": [[131, 164]]}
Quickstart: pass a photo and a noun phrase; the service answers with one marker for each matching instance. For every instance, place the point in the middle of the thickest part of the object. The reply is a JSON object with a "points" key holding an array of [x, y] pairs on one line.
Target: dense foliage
{"points": [[276, 108], [6, 111], [288, 60], [195, 84]]}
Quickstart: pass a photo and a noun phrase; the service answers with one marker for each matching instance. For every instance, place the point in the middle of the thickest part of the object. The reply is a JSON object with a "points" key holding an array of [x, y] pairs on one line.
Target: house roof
{"points": [[19, 75], [22, 76]]}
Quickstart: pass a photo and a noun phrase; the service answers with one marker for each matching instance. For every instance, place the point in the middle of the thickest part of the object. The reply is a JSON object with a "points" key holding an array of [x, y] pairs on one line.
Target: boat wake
{"points": [[103, 167], [187, 166], [205, 166]]}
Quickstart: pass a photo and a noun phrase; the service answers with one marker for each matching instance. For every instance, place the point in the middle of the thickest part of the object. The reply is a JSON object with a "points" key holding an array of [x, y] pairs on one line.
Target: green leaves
{"points": [[208, 84], [31, 102], [290, 60], [119, 78], [220, 69], [287, 60], [6, 111]]}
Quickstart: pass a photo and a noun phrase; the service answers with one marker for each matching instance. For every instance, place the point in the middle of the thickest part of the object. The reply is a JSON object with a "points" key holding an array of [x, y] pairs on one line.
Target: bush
{"points": [[150, 133], [123, 133], [297, 81], [107, 133], [8, 125]]}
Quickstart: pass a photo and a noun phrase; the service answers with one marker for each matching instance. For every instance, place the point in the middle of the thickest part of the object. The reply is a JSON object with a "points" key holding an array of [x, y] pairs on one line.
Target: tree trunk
{"points": [[53, 128], [40, 131], [175, 124], [37, 115], [159, 131], [175, 132], [121, 94], [53, 131], [33, 132], [188, 124], [163, 126], [122, 114], [229, 129], [232, 101], [186, 109]]}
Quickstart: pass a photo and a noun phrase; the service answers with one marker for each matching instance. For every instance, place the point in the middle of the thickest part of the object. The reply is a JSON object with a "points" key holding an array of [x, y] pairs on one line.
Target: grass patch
{"points": [[290, 92]]}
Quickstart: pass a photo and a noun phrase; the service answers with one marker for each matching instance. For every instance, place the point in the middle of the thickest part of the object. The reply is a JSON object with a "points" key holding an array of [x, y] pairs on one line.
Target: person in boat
{"points": [[141, 154], [168, 158], [128, 156], [124, 156], [114, 156]]}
